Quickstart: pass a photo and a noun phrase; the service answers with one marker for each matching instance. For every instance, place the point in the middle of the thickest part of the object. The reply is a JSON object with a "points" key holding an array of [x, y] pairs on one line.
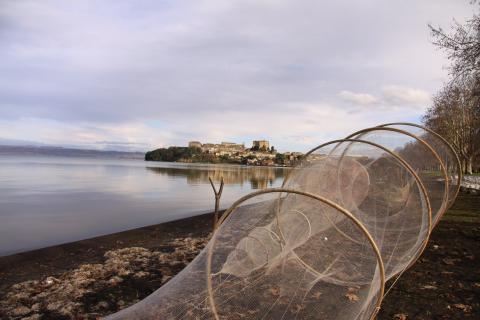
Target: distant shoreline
{"points": [[32, 151], [9, 150]]}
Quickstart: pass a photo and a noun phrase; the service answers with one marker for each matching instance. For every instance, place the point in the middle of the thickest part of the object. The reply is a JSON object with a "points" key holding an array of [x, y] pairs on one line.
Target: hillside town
{"points": [[259, 154]]}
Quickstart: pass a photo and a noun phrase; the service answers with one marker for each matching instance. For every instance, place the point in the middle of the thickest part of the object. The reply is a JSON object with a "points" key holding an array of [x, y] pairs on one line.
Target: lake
{"points": [[51, 200]]}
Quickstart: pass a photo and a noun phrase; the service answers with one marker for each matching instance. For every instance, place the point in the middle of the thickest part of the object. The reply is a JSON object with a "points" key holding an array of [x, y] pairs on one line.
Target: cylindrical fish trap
{"points": [[353, 214]]}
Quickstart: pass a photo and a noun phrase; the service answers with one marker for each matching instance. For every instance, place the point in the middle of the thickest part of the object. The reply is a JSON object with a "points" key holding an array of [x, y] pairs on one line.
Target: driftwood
{"points": [[218, 194]]}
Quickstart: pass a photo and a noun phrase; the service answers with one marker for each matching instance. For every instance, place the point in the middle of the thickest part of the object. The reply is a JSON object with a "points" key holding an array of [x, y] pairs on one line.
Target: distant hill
{"points": [[183, 154], [67, 152]]}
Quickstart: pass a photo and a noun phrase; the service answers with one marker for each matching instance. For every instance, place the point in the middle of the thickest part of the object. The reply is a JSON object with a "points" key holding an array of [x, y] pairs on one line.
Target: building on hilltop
{"points": [[231, 146], [260, 144], [224, 148], [195, 144], [209, 148]]}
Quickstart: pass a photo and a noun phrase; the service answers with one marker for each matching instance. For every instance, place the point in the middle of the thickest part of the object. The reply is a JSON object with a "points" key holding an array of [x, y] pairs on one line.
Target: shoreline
{"points": [[59, 258], [184, 215]]}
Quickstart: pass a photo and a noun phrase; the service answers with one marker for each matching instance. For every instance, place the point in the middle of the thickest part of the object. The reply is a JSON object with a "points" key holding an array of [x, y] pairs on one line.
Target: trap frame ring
{"points": [[443, 208], [261, 244], [403, 163], [431, 224], [333, 205], [457, 159], [306, 219]]}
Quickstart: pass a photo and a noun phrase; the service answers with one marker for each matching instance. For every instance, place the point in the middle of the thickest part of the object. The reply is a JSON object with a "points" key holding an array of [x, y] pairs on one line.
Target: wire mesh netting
{"points": [[353, 214]]}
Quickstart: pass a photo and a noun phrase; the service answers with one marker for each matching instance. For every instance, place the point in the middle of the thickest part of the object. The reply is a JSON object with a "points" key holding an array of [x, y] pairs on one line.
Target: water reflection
{"points": [[50, 200], [257, 177]]}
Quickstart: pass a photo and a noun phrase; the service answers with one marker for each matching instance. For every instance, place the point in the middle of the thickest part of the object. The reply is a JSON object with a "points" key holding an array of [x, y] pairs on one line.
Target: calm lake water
{"points": [[50, 200]]}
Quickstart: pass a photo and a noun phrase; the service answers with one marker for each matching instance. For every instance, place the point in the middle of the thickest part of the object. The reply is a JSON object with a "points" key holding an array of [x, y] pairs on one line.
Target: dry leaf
{"points": [[275, 291], [400, 316], [429, 287], [463, 307], [352, 297]]}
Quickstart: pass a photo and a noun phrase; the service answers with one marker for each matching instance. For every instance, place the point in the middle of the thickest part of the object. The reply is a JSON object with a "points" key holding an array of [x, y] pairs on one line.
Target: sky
{"points": [[138, 75]]}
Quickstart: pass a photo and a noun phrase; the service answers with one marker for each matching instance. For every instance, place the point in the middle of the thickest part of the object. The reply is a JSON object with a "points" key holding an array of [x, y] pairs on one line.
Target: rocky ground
{"points": [[92, 278], [126, 276]]}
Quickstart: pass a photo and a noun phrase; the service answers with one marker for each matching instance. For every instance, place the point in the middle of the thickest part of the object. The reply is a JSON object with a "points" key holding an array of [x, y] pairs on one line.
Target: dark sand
{"points": [[443, 284]]}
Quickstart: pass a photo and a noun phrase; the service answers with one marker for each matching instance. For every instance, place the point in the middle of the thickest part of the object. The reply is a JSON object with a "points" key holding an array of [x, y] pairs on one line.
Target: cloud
{"points": [[392, 97], [364, 99], [134, 136], [398, 95], [165, 72]]}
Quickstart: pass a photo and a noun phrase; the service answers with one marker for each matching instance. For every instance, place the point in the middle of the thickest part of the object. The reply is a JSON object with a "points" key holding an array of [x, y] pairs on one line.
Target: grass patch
{"points": [[476, 174], [465, 209], [462, 216], [433, 173]]}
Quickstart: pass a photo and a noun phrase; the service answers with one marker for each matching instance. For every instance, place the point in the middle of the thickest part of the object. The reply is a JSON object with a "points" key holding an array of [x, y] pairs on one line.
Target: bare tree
{"points": [[462, 46], [218, 194], [455, 114]]}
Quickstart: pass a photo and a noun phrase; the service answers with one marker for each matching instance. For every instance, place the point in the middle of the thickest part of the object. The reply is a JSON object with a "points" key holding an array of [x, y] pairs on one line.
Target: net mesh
{"points": [[353, 214]]}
